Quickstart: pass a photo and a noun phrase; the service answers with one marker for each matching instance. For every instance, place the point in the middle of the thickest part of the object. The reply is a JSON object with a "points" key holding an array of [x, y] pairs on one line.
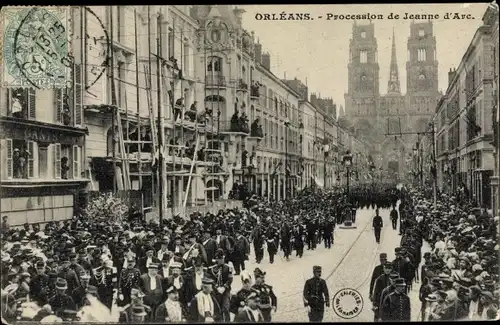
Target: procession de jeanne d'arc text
{"points": [[367, 16]]}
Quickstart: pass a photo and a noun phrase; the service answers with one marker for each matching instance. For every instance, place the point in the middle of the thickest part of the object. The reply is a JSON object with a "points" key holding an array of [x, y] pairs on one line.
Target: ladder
{"points": [[123, 154], [196, 148], [152, 118]]}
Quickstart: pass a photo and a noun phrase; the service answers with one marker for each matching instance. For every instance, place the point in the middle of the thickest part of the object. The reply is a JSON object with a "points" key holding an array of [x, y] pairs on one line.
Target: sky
{"points": [[319, 50]]}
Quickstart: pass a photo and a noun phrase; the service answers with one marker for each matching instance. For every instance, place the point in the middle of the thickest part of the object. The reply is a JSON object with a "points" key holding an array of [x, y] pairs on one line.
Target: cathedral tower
{"points": [[363, 72], [393, 86]]}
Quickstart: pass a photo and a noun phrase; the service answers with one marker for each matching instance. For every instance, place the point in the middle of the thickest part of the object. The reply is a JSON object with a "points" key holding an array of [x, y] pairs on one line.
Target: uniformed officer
{"points": [[316, 296], [268, 300], [222, 274], [129, 278], [39, 284], [238, 300], [378, 270], [61, 301], [105, 279], [377, 225]]}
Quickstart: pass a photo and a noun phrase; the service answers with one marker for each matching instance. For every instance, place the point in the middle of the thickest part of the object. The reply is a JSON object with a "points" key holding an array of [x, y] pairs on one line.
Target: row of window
{"points": [[421, 55], [28, 160]]}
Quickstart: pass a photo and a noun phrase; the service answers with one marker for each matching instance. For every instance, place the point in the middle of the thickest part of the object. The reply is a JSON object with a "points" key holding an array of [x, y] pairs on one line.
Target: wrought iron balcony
{"points": [[242, 86], [214, 81]]}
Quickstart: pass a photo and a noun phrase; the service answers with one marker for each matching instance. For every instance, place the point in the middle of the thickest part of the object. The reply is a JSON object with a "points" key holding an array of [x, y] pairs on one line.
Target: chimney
{"points": [[334, 113], [266, 61], [258, 52], [313, 98], [451, 75]]}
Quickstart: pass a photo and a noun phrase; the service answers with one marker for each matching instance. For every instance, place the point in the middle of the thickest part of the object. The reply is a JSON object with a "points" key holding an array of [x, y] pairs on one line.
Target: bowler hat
{"points": [[61, 284]]}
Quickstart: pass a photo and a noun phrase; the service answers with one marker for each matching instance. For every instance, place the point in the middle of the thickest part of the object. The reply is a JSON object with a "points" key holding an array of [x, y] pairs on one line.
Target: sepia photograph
{"points": [[249, 163]]}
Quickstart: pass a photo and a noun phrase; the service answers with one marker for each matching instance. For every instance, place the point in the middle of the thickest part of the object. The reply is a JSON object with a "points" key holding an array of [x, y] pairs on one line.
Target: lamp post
{"points": [[347, 162]]}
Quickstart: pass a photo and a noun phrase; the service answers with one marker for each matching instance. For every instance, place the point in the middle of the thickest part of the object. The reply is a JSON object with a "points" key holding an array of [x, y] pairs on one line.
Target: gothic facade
{"points": [[374, 115]]}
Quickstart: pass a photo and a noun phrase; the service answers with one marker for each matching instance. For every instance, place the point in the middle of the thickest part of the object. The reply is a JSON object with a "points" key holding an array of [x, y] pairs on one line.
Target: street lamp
{"points": [[347, 162]]}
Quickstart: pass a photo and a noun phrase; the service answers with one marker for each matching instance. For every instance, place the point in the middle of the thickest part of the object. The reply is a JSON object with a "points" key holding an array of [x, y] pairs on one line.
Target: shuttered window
{"points": [[58, 103], [77, 93], [9, 154], [31, 159], [76, 161], [31, 103], [57, 160]]}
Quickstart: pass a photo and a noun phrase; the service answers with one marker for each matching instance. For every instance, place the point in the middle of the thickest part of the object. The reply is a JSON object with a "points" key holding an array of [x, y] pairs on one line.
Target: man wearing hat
{"points": [[378, 270], [238, 300], [210, 246], [176, 279], [64, 271], [136, 300], [171, 311], [240, 252], [251, 312], [388, 290], [396, 306], [151, 285], [105, 278], [222, 274], [39, 284], [205, 308], [129, 278], [377, 226], [61, 300], [316, 296], [194, 278], [80, 293], [194, 245], [382, 282], [268, 299], [258, 243], [147, 260], [400, 265]]}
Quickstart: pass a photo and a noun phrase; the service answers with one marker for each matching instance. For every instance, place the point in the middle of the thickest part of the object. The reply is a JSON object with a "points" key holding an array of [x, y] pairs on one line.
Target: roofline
{"points": [[269, 73]]}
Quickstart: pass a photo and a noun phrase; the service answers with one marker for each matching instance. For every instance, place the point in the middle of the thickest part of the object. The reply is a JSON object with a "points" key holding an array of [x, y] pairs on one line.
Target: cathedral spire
{"points": [[393, 84]]}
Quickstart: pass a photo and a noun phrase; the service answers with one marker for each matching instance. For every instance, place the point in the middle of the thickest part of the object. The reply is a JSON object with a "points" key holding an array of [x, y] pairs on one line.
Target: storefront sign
{"points": [[39, 134]]}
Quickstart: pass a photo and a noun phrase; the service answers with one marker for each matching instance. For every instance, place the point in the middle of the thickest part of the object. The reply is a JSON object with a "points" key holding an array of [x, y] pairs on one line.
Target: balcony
{"points": [[236, 125], [242, 86], [256, 130], [215, 81]]}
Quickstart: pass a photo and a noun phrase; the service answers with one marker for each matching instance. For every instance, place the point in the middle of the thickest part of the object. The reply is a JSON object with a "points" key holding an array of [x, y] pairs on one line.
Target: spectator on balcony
{"points": [[64, 168], [256, 129], [235, 126], [146, 136], [178, 108], [254, 89], [201, 154], [190, 147], [18, 103], [243, 123], [192, 112]]}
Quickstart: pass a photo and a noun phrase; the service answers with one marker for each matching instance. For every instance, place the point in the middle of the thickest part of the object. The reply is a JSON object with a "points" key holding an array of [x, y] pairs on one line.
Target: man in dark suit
{"points": [[194, 279], [394, 217], [129, 278], [258, 243], [80, 293], [151, 285], [222, 242], [210, 246], [194, 245], [204, 308], [382, 282], [316, 296], [145, 261], [38, 285], [400, 265], [251, 313], [378, 270], [377, 226], [240, 252], [177, 281], [396, 306]]}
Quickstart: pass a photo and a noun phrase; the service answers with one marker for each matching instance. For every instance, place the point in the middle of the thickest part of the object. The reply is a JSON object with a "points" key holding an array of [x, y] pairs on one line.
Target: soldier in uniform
{"points": [[378, 270], [394, 217], [136, 297], [286, 234], [268, 300], [105, 279], [272, 243], [258, 243], [64, 271], [39, 284], [316, 296], [222, 274], [61, 300], [311, 231], [388, 290], [396, 306], [328, 227], [251, 313], [401, 265], [382, 282], [129, 278], [79, 293], [377, 225], [240, 252], [298, 240], [238, 300]]}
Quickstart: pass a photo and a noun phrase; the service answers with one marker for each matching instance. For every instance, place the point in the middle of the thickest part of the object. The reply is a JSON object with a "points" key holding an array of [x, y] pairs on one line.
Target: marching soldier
{"points": [[396, 306], [268, 300], [394, 217], [388, 290], [129, 278], [316, 296], [272, 243], [39, 284], [298, 240], [240, 253], [222, 275], [328, 228], [378, 270], [382, 282], [377, 225], [258, 243], [311, 231], [105, 279], [286, 234]]}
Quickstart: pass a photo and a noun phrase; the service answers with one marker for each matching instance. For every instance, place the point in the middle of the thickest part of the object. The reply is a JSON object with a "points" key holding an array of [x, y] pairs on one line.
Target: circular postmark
{"points": [[97, 48], [347, 303], [37, 48]]}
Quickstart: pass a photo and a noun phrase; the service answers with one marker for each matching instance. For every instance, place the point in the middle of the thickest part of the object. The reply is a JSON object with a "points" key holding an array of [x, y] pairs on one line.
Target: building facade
{"points": [[43, 143], [372, 114], [464, 122]]}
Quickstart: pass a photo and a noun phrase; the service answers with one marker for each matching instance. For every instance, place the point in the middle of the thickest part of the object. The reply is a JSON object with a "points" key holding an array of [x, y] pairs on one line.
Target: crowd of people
{"points": [[459, 277], [180, 270], [183, 270]]}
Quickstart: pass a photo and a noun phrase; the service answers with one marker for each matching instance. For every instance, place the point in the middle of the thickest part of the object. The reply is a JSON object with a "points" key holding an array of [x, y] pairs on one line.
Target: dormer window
{"points": [[363, 34], [421, 33]]}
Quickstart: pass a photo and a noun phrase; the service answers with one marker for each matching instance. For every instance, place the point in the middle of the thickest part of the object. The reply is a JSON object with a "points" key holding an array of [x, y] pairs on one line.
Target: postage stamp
{"points": [[36, 47]]}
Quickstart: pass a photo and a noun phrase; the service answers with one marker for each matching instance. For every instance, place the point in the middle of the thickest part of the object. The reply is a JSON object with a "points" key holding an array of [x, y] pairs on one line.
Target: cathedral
{"points": [[373, 115]]}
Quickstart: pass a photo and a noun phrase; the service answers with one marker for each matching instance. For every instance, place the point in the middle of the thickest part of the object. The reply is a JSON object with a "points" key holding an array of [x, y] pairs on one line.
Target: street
{"points": [[348, 264]]}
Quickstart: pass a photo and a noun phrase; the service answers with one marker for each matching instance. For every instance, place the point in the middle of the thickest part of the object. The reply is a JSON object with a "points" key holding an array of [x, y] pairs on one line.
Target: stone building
{"points": [[372, 114]]}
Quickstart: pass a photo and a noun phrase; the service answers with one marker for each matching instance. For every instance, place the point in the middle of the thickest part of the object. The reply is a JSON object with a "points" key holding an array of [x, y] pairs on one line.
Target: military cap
{"points": [[383, 255], [316, 268], [219, 254], [39, 265], [388, 265], [397, 250], [394, 275], [207, 281], [399, 282], [258, 272]]}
